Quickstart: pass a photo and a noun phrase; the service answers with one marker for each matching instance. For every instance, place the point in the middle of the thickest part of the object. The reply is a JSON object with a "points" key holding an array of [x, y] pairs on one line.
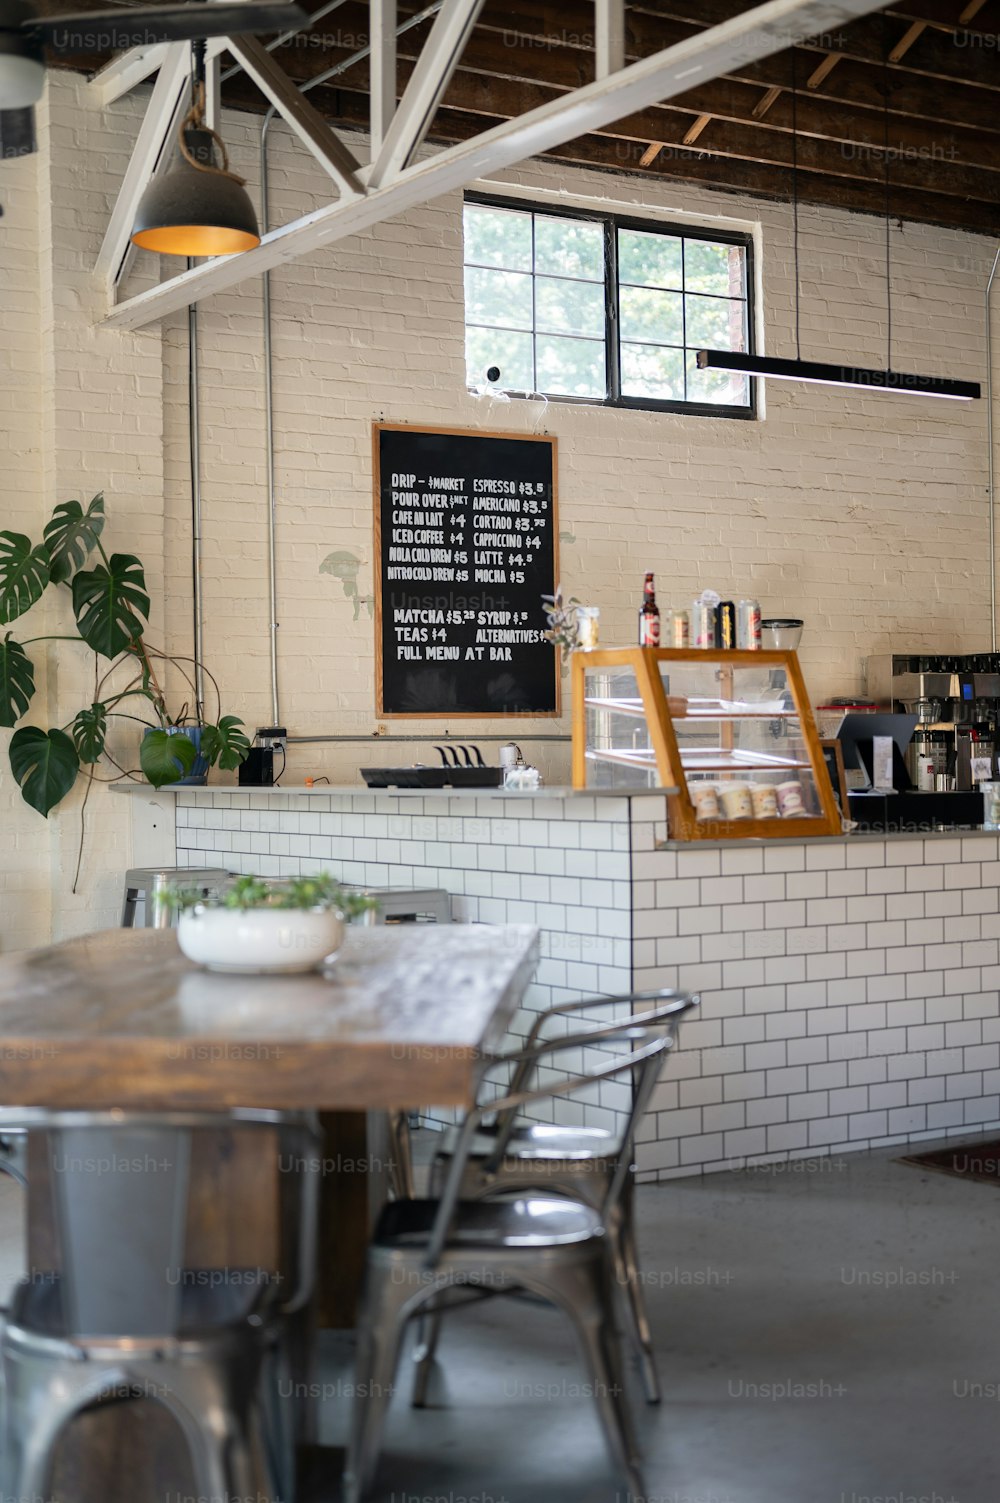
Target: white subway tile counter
{"points": [[849, 985]]}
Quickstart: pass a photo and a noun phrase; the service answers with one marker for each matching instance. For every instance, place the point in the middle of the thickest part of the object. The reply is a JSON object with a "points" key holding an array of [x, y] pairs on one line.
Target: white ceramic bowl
{"points": [[263, 940]]}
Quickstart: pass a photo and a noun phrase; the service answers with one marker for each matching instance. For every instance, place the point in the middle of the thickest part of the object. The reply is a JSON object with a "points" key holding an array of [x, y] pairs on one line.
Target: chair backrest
{"points": [[120, 1197], [663, 1008], [642, 1048]]}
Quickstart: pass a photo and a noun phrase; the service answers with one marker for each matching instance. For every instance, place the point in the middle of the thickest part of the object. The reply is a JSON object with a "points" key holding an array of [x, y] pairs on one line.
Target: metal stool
{"points": [[121, 1314], [409, 905], [405, 905], [148, 882]]}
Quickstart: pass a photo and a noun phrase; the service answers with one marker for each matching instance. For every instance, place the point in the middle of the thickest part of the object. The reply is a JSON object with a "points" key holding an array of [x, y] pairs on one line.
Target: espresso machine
{"points": [[956, 699]]}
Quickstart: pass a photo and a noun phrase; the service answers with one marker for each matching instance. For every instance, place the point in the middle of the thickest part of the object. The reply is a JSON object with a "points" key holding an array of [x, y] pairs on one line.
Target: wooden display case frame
{"points": [[645, 664]]}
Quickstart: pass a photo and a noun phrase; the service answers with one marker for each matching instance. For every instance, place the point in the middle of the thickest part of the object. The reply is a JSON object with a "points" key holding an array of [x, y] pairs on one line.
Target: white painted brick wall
{"points": [[866, 515]]}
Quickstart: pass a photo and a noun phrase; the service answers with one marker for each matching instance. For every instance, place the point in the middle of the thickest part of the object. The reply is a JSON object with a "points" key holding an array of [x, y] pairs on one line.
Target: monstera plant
{"points": [[110, 607]]}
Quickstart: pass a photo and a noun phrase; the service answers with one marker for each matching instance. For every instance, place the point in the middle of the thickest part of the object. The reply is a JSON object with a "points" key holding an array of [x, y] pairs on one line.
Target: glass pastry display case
{"points": [[732, 732]]}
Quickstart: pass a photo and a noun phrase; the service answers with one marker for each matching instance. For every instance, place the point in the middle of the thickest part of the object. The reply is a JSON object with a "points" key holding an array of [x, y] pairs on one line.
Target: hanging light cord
{"points": [[888, 264], [195, 120], [795, 207]]}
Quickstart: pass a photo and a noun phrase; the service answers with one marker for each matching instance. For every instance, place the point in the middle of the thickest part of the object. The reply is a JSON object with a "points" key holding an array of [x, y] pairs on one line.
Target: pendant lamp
{"points": [[199, 207], [818, 372]]}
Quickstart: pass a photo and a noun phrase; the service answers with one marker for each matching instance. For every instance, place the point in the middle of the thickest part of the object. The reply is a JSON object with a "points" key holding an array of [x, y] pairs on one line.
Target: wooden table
{"points": [[400, 1019], [120, 1018]]}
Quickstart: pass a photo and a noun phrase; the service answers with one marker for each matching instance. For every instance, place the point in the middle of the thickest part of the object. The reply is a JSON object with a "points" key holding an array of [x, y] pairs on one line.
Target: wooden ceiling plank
{"points": [[762, 106], [743, 179], [651, 153], [902, 47], [694, 131], [824, 70]]}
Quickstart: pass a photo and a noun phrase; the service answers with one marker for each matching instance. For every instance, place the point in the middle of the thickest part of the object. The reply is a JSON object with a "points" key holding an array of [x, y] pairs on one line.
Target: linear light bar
{"points": [[838, 375]]}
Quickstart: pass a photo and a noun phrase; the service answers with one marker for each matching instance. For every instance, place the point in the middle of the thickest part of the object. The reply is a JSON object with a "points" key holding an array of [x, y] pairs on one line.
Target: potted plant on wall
{"points": [[110, 609]]}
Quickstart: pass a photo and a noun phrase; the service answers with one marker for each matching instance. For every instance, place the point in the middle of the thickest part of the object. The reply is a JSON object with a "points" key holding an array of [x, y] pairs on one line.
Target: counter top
{"points": [[360, 790]]}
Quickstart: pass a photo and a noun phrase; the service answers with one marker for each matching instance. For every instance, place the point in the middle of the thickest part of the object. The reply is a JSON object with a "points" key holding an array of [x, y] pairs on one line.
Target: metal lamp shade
{"points": [[192, 213]]}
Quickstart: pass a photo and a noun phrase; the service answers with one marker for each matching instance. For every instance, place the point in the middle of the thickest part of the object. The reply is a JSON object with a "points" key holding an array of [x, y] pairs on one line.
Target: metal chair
{"points": [[149, 882], [552, 1247], [580, 1162], [121, 1315]]}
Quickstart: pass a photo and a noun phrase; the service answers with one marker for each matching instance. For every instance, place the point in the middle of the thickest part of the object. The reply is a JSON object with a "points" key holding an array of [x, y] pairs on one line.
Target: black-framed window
{"points": [[601, 308]]}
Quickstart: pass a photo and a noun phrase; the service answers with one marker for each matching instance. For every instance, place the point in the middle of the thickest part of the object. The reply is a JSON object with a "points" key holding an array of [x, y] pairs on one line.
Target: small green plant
{"points": [[308, 893], [111, 608]]}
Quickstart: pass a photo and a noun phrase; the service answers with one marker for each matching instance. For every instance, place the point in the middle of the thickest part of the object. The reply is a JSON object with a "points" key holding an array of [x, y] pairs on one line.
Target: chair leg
{"points": [[428, 1336], [585, 1294], [401, 1172], [380, 1326], [629, 1277]]}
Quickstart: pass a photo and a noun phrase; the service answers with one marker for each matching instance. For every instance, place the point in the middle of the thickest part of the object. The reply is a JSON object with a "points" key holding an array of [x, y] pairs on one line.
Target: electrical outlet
{"points": [[274, 736]]}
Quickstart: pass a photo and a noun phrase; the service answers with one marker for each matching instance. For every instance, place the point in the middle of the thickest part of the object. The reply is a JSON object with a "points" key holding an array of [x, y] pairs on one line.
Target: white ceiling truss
{"points": [[396, 180]]}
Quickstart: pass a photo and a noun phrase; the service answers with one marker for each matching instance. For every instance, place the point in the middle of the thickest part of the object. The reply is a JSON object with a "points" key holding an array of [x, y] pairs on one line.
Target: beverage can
{"points": [[725, 625], [748, 625], [702, 624]]}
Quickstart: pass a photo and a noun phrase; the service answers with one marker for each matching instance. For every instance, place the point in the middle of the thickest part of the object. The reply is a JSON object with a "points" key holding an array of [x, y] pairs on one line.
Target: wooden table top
{"points": [[121, 1018]]}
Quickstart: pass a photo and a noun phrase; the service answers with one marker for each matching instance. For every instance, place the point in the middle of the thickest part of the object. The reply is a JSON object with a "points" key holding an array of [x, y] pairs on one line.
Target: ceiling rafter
{"points": [[396, 187]]}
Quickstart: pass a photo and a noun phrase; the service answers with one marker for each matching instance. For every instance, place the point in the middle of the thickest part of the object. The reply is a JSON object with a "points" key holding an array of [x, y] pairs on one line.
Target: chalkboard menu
{"points": [[466, 545]]}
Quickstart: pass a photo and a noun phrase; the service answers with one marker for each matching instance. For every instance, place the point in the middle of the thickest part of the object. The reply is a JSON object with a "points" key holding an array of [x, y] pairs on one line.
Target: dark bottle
{"points": [[649, 616]]}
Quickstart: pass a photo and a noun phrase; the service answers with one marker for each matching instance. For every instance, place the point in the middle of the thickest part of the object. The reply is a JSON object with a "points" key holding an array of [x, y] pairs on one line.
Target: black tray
{"points": [[432, 777]]}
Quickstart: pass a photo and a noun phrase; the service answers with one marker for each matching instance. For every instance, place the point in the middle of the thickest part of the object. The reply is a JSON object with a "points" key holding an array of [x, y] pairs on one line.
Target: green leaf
{"points": [[24, 573], [45, 765], [71, 534], [224, 743], [89, 731], [17, 681], [108, 602], [164, 758]]}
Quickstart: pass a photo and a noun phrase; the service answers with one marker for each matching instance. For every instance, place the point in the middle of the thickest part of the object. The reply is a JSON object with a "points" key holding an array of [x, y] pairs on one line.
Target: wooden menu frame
{"points": [[377, 430]]}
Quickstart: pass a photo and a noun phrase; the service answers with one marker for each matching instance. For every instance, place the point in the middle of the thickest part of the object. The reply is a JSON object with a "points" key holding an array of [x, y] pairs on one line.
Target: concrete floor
{"points": [[819, 1326]]}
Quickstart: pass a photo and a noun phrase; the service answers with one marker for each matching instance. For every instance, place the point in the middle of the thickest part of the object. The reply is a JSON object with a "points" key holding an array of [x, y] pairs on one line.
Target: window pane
{"points": [[497, 297], [569, 307], [502, 347], [651, 372], [724, 388], [498, 237], [571, 367], [650, 260], [655, 316], [569, 248], [713, 268], [715, 323]]}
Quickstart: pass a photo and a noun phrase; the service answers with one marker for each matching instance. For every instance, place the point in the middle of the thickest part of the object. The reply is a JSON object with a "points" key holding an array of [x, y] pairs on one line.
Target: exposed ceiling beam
{"points": [[304, 119], [126, 71], [382, 70], [753, 35], [171, 84], [438, 60], [609, 37]]}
